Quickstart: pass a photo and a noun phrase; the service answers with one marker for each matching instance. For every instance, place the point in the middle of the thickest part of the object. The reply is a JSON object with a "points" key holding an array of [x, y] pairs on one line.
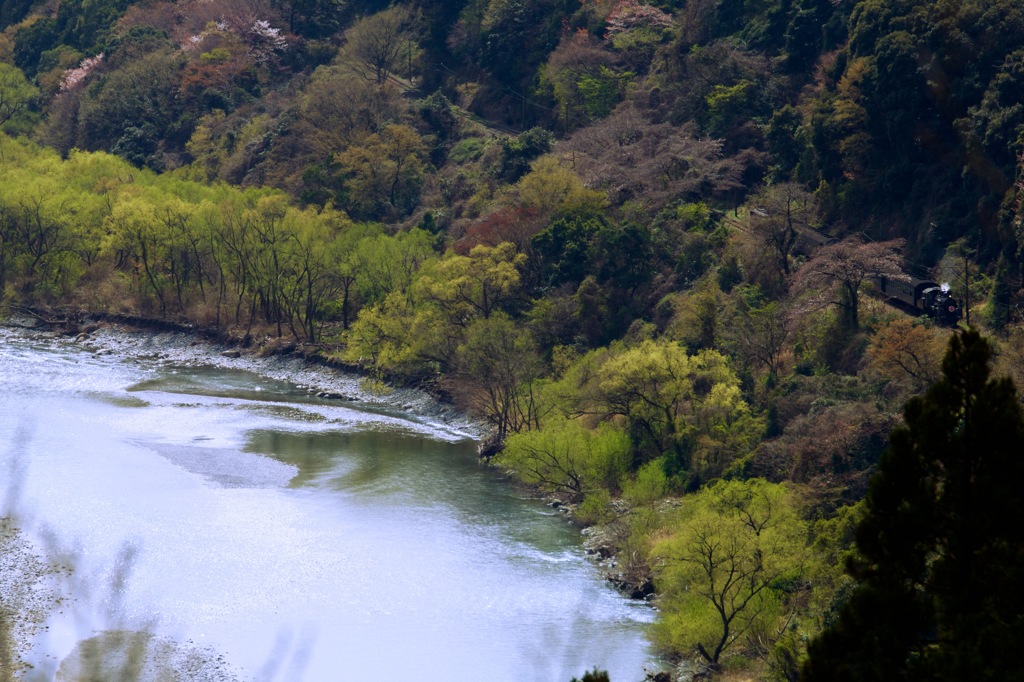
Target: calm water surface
{"points": [[294, 538]]}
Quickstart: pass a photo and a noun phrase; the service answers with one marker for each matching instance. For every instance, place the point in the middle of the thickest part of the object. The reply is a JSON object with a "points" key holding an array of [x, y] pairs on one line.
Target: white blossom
{"points": [[73, 77], [265, 40]]}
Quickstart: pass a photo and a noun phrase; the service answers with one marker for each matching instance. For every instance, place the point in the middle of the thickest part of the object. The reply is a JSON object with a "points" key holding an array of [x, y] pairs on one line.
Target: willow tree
{"points": [[496, 366], [419, 328], [567, 458], [728, 568], [686, 408]]}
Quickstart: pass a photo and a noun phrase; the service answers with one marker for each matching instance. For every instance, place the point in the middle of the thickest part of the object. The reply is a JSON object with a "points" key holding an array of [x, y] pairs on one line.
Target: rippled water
{"points": [[253, 530]]}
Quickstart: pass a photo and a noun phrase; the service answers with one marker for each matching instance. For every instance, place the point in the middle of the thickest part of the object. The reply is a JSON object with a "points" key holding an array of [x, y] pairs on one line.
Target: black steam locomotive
{"points": [[924, 296]]}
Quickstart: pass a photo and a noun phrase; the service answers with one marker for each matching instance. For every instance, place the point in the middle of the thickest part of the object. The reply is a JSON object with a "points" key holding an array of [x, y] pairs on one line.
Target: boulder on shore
{"points": [[490, 446]]}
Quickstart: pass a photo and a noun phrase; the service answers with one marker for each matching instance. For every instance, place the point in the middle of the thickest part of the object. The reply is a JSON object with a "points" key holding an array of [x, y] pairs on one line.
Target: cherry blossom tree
{"points": [[836, 272]]}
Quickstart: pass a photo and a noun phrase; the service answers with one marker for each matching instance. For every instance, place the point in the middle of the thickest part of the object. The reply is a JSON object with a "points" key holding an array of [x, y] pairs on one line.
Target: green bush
{"points": [[470, 149], [566, 457], [595, 509], [649, 485]]}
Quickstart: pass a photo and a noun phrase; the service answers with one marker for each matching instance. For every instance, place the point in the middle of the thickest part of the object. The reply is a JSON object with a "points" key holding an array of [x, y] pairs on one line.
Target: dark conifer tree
{"points": [[941, 551]]}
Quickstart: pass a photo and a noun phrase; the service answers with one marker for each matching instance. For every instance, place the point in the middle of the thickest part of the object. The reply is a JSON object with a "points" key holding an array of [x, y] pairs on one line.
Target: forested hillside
{"points": [[641, 240]]}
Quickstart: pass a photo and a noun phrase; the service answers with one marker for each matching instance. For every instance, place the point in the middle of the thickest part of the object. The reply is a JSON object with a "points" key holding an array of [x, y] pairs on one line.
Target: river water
{"points": [[221, 522]]}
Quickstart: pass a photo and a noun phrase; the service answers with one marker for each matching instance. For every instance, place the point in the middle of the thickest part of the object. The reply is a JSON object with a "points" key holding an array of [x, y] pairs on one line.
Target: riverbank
{"points": [[34, 586], [304, 365], [28, 594]]}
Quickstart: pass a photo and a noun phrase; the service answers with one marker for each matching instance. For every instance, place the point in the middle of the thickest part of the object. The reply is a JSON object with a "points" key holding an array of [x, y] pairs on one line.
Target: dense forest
{"points": [[640, 240]]}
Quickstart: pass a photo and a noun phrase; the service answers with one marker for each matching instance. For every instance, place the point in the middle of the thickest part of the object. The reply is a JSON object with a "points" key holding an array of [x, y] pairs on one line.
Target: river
{"points": [[222, 522]]}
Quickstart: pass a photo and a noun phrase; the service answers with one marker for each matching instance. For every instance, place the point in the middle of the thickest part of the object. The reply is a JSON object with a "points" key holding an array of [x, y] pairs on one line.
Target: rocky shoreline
{"points": [[29, 592], [602, 543], [304, 365]]}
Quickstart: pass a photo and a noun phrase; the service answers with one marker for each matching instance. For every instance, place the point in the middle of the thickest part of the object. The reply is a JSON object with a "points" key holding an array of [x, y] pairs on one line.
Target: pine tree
{"points": [[941, 550]]}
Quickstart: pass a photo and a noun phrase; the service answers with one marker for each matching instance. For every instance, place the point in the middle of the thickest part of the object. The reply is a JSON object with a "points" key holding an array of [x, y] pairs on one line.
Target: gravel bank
{"points": [[181, 348], [29, 592]]}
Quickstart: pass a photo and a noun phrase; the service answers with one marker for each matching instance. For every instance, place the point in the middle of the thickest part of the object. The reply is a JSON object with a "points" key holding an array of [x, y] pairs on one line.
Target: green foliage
{"points": [[649, 484], [611, 265], [31, 39], [385, 172], [375, 44], [383, 264], [565, 457], [80, 24], [554, 189], [437, 112], [804, 37], [998, 307], [515, 36], [687, 408], [17, 101], [583, 79], [872, 132], [518, 152], [602, 91], [477, 285], [786, 140], [942, 513], [85, 25], [13, 11], [497, 362], [178, 249], [594, 675], [622, 256], [418, 327], [131, 110], [397, 336], [834, 546], [730, 105], [695, 216], [312, 18], [728, 568], [469, 149], [563, 248], [595, 509], [38, 231], [134, 42]]}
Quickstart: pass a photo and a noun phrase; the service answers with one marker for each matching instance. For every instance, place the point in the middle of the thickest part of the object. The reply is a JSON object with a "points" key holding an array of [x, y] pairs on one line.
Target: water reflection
{"points": [[377, 461], [260, 393], [384, 469]]}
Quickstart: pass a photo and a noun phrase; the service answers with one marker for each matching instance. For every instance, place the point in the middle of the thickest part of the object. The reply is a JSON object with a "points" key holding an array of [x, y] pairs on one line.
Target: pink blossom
{"points": [[630, 14], [73, 77]]}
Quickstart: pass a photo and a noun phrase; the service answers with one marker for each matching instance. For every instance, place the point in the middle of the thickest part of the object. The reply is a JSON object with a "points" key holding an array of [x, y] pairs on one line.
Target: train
{"points": [[925, 297], [921, 296]]}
